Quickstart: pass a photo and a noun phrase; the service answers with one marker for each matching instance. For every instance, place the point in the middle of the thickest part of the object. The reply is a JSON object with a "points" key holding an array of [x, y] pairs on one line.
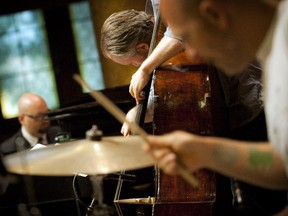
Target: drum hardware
{"points": [[94, 133], [90, 207], [139, 201], [97, 182], [100, 209], [97, 206], [142, 201], [117, 194], [124, 176]]}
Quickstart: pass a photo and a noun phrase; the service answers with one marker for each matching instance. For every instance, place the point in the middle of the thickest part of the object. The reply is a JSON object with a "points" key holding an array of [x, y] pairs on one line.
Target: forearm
{"points": [[132, 113], [167, 48], [255, 163]]}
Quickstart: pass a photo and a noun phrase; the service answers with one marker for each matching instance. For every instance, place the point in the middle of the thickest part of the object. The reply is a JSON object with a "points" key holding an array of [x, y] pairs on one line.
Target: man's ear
{"points": [[142, 47], [20, 118], [214, 13]]}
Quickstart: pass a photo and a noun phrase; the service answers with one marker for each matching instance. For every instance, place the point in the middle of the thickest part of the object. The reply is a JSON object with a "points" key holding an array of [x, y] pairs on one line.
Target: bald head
{"points": [[30, 101], [31, 114], [225, 33]]}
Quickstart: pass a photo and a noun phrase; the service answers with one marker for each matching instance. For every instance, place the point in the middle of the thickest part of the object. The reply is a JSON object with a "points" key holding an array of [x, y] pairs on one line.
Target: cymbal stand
{"points": [[117, 193], [101, 209]]}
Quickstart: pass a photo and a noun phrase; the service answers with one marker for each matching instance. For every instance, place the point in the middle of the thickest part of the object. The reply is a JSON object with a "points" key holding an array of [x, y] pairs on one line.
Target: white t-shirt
{"points": [[273, 55], [168, 32]]}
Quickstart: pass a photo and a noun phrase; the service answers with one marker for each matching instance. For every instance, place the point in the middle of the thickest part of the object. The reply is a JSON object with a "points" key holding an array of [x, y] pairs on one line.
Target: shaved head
{"points": [[30, 101], [31, 114], [219, 30]]}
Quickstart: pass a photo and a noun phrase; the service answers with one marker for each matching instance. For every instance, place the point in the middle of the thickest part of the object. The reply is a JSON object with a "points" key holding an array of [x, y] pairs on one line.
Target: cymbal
{"points": [[109, 155]]}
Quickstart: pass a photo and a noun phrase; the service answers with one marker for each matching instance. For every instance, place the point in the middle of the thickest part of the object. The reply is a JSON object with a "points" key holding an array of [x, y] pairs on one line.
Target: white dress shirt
{"points": [[33, 140]]}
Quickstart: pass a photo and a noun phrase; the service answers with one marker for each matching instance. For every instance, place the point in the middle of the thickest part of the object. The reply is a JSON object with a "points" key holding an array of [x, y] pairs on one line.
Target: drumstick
{"points": [[109, 106], [121, 117]]}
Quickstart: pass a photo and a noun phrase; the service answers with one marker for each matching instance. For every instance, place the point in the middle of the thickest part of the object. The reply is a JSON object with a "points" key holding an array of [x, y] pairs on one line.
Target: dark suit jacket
{"points": [[29, 186], [9, 145]]}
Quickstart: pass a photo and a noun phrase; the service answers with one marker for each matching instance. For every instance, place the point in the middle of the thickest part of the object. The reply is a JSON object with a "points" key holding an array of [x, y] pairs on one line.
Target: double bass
{"points": [[187, 96], [184, 97]]}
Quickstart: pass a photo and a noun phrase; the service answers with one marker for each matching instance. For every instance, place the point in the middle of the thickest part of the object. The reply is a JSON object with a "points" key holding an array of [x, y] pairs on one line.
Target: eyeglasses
{"points": [[37, 117]]}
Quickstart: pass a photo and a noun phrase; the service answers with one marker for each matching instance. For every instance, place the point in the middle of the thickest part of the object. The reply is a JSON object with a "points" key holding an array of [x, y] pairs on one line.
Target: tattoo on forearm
{"points": [[260, 159]]}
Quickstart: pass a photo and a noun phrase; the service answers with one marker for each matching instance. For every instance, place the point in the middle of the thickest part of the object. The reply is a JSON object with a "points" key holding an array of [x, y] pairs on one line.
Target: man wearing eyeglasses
{"points": [[35, 125], [35, 128]]}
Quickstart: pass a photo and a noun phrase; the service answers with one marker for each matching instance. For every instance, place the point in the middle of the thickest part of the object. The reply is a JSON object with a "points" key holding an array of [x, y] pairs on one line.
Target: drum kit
{"points": [[95, 158]]}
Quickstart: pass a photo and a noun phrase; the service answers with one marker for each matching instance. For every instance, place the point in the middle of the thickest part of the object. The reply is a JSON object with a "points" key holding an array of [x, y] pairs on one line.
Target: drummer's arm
{"points": [[256, 163]]}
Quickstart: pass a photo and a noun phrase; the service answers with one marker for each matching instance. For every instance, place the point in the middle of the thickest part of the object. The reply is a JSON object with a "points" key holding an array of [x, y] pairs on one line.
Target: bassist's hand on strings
{"points": [[130, 116], [138, 82]]}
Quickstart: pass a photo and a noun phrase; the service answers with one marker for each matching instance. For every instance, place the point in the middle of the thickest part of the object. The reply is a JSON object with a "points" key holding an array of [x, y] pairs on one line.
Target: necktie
{"points": [[42, 140]]}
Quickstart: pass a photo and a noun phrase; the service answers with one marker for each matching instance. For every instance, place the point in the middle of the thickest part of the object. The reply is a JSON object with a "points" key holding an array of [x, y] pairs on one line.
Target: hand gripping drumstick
{"points": [[120, 116]]}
